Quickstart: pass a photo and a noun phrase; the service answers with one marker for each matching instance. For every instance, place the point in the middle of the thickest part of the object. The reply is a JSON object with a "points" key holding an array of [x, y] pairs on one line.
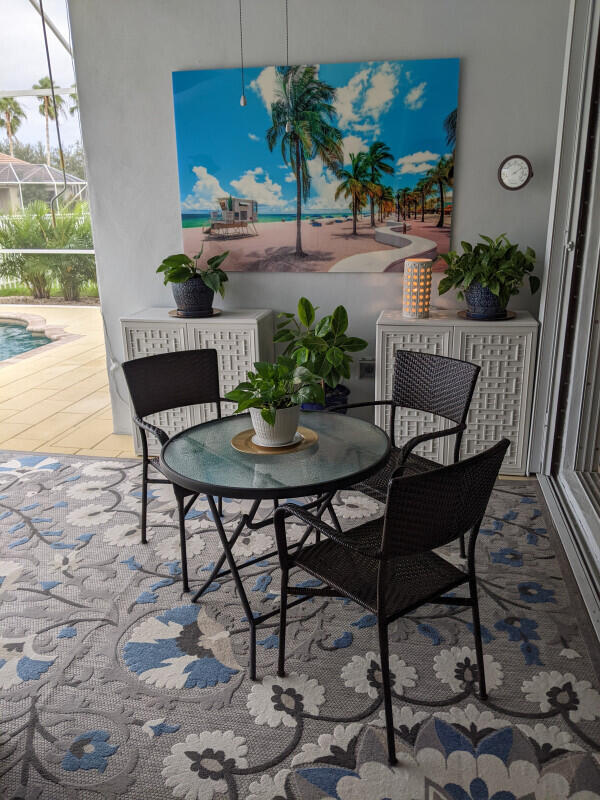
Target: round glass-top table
{"points": [[202, 459]]}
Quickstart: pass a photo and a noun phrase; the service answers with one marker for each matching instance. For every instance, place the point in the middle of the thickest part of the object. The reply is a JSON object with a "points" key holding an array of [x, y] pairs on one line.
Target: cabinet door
{"points": [[502, 399], [409, 423], [149, 339], [236, 351]]}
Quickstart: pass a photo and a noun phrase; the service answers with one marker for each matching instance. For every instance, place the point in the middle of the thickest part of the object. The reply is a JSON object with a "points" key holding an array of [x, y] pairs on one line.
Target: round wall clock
{"points": [[515, 172]]}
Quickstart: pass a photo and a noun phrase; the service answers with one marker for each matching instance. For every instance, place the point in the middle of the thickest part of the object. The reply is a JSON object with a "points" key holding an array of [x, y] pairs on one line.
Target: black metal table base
{"points": [[322, 504]]}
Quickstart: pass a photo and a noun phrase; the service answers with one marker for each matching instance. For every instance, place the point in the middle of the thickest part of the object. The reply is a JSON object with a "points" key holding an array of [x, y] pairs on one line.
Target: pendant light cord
{"points": [[242, 49], [287, 41]]}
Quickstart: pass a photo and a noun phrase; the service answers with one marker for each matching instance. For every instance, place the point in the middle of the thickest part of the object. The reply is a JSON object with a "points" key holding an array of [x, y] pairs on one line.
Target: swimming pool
{"points": [[16, 339]]}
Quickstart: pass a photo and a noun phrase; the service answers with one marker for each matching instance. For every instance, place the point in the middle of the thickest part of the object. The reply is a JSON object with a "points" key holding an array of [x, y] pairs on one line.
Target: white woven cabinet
{"points": [[240, 338], [501, 404]]}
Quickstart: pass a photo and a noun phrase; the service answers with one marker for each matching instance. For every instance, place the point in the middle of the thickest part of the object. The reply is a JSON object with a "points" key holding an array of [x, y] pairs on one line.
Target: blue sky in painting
{"points": [[221, 146]]}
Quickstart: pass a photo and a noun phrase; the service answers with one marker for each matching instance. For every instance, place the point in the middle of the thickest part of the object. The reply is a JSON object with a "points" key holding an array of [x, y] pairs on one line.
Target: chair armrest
{"points": [[362, 405], [292, 510], [406, 450], [161, 435]]}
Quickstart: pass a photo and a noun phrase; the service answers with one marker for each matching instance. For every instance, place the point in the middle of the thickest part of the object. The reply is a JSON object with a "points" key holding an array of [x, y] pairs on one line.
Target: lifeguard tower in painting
{"points": [[237, 217]]}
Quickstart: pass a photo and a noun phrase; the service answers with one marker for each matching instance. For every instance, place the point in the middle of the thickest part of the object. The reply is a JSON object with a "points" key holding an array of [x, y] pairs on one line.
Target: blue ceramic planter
{"points": [[333, 397], [483, 304], [193, 298]]}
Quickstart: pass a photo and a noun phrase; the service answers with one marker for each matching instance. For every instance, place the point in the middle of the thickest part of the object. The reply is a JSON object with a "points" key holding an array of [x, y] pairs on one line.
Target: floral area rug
{"points": [[114, 685]]}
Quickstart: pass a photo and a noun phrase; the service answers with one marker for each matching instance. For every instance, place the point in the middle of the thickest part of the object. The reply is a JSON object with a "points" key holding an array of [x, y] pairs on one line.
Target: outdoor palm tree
{"points": [[46, 109], [302, 118], [439, 175], [11, 117], [377, 157], [353, 182]]}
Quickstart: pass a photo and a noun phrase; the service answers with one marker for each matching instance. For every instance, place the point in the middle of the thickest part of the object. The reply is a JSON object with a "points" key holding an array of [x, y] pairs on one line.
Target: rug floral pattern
{"points": [[114, 685]]}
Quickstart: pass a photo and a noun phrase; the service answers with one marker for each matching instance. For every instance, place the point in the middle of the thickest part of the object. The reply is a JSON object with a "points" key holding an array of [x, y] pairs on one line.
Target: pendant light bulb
{"points": [[243, 100]]}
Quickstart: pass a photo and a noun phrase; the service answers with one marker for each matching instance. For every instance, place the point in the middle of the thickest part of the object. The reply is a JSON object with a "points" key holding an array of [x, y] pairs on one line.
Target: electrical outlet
{"points": [[366, 368]]}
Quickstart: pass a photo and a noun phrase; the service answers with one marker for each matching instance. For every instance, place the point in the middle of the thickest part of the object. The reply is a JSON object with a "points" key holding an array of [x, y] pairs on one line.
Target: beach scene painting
{"points": [[343, 167]]}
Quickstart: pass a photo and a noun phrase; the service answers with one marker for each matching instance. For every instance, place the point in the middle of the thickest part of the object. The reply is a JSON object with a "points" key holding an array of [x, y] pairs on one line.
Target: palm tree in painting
{"points": [[450, 128], [11, 117], [353, 182], [398, 204], [377, 157], [302, 120], [405, 193], [439, 176], [46, 109], [385, 201], [423, 187]]}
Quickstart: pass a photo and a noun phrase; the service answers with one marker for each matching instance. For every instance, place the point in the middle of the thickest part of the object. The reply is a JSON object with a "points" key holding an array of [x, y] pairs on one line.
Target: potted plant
{"points": [[487, 274], [273, 394], [193, 287], [323, 347]]}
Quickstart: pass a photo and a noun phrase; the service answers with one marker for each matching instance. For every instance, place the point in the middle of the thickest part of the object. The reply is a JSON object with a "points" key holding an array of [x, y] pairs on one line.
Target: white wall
{"points": [[125, 50]]}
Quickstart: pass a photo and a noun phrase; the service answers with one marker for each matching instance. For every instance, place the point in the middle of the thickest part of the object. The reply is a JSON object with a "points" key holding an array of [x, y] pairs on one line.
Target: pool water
{"points": [[16, 339]]}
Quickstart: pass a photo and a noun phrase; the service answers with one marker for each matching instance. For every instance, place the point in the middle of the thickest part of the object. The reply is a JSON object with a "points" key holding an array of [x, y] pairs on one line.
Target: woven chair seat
{"points": [[410, 580], [377, 485]]}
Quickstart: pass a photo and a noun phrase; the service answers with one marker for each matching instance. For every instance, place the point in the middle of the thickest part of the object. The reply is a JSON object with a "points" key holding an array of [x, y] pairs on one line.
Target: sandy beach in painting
{"points": [[326, 245]]}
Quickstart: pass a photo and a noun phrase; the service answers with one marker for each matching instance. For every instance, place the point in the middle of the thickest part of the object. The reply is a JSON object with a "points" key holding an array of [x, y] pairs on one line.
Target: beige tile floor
{"points": [[56, 400]]}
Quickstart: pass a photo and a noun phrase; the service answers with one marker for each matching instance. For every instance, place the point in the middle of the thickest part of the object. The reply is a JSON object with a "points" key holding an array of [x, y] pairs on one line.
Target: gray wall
{"points": [[125, 50]]}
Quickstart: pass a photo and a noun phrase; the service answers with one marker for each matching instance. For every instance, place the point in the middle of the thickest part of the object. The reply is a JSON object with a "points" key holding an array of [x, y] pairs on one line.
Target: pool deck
{"points": [[55, 399]]}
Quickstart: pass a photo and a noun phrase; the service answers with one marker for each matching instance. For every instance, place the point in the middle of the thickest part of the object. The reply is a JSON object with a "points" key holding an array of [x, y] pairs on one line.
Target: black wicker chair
{"points": [[157, 383], [424, 382], [387, 565]]}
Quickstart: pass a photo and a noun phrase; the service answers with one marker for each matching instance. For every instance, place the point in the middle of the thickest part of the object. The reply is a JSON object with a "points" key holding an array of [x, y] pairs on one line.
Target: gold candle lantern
{"points": [[417, 287]]}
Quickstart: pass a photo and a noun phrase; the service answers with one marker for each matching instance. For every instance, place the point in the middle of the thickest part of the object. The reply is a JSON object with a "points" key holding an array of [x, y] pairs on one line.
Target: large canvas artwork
{"points": [[327, 168]]}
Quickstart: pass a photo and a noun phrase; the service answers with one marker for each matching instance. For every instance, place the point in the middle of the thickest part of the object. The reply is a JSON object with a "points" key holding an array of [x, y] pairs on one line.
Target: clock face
{"points": [[515, 172]]}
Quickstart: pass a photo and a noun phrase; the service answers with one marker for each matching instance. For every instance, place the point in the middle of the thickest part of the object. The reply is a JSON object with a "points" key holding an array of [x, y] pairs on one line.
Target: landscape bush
{"points": [[33, 228]]}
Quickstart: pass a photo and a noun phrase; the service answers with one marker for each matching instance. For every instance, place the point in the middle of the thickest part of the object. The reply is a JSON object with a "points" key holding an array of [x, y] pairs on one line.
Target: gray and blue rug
{"points": [[114, 686]]}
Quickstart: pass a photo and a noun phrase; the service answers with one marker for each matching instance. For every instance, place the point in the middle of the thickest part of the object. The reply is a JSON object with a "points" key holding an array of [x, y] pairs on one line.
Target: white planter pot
{"points": [[286, 425]]}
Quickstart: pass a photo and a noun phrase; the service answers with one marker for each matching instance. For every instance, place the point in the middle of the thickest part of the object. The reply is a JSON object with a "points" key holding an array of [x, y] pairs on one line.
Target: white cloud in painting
{"points": [[290, 178], [254, 137], [369, 128], [416, 163], [265, 86], [368, 95], [415, 99], [382, 90], [205, 191], [322, 188], [353, 144], [256, 184], [347, 97]]}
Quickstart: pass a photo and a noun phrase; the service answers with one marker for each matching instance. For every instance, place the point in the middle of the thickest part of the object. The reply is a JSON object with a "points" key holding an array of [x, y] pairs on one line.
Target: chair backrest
{"points": [[431, 509], [435, 384], [170, 380]]}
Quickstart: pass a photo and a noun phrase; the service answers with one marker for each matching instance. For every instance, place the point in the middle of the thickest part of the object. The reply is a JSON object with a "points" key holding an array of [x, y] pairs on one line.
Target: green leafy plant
{"points": [[280, 385], [322, 347], [33, 229], [180, 268], [494, 263]]}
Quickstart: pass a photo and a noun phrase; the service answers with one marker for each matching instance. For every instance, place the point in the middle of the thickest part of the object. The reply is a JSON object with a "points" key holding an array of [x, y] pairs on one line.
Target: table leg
{"points": [[322, 503]]}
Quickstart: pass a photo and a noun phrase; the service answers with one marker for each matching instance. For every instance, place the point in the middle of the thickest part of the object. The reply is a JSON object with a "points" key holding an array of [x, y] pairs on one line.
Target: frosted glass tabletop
{"points": [[203, 459]]}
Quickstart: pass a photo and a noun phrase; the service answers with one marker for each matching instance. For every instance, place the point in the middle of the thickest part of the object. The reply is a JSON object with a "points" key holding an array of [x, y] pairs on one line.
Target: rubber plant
{"points": [[321, 346]]}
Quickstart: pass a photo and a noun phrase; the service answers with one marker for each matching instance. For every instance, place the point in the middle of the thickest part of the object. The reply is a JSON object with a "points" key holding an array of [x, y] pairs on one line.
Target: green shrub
{"points": [[34, 229]]}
